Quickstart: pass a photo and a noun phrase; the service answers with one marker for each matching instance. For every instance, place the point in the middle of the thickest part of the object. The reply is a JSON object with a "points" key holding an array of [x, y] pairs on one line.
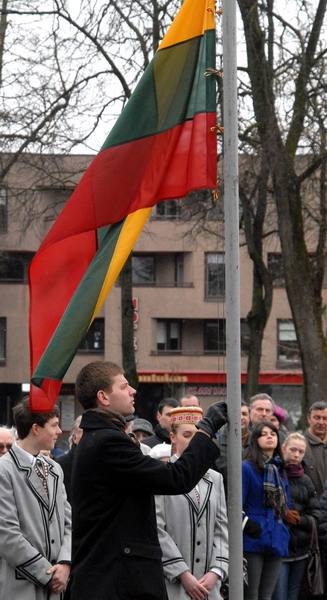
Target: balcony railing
{"points": [[188, 352], [165, 284]]}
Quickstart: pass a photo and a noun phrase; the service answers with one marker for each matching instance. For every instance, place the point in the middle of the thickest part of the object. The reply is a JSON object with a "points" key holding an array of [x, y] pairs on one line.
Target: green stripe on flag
{"points": [[170, 91], [77, 316]]}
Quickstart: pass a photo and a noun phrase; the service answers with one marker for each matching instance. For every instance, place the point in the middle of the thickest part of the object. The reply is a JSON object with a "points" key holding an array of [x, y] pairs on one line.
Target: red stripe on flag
{"points": [[43, 400], [139, 174], [53, 277], [120, 180]]}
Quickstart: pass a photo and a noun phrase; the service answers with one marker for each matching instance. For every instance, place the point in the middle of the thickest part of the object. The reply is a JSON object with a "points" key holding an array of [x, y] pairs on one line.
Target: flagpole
{"points": [[233, 359]]}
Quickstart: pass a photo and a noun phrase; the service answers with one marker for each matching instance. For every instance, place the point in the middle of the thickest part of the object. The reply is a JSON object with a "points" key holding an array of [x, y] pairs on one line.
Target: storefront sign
{"points": [[135, 302], [162, 378], [207, 390]]}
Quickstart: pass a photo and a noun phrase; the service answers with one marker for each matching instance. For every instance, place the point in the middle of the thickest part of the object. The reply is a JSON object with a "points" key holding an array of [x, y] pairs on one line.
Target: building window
{"points": [[245, 337], [214, 275], [14, 266], [168, 209], [3, 336], [143, 266], [179, 269], [94, 339], [3, 210], [287, 345], [276, 268], [214, 338], [169, 336]]}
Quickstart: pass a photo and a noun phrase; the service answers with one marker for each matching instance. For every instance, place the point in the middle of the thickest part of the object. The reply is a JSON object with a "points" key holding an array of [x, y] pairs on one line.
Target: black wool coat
{"points": [[323, 522], [160, 436], [66, 463], [305, 500], [116, 552]]}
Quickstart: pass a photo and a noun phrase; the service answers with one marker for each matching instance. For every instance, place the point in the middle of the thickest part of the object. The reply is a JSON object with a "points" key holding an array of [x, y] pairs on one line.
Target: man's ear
{"points": [[103, 399], [35, 429], [158, 415]]}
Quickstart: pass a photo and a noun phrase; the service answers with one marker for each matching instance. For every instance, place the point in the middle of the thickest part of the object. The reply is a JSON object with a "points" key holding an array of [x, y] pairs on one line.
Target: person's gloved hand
{"points": [[252, 528], [215, 418], [292, 517]]}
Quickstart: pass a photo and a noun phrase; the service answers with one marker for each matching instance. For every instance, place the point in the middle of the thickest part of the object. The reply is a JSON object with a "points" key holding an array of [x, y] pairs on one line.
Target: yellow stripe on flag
{"points": [[131, 230], [194, 18]]}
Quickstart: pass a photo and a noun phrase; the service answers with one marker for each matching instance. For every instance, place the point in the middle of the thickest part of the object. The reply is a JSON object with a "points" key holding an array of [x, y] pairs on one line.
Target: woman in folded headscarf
{"points": [[192, 528], [265, 504]]}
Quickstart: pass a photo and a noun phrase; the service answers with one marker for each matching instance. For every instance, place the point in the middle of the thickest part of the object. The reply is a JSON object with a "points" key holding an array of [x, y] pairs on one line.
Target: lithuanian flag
{"points": [[162, 147]]}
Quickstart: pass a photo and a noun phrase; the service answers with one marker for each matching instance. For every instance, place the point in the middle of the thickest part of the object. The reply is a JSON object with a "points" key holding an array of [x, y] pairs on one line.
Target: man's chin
{"points": [[128, 412]]}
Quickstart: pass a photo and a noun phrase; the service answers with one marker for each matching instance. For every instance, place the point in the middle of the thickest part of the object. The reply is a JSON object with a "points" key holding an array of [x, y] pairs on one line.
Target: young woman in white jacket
{"points": [[192, 527]]}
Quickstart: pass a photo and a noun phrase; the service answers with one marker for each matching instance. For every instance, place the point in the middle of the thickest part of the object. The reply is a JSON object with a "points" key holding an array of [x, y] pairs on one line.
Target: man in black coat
{"points": [[66, 460], [116, 552], [162, 430]]}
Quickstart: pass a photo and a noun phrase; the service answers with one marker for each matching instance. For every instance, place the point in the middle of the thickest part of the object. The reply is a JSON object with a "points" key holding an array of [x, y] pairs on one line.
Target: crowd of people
{"points": [[138, 512]]}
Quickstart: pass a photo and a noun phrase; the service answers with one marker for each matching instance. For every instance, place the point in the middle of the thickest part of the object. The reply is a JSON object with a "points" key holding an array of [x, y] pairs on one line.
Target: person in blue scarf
{"points": [[266, 501]]}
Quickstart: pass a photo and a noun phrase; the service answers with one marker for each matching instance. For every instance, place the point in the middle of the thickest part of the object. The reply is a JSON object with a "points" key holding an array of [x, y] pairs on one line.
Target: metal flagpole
{"points": [[233, 359]]}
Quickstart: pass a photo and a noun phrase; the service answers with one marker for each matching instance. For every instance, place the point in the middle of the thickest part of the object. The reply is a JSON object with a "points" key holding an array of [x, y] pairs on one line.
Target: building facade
{"points": [[178, 298]]}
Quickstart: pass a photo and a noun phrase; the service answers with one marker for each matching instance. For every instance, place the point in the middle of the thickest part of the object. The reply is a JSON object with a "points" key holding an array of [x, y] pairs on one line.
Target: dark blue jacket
{"points": [[274, 538]]}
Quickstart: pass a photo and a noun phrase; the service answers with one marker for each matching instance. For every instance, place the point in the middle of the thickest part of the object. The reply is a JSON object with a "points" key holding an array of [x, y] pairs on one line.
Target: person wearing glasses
{"points": [[6, 440]]}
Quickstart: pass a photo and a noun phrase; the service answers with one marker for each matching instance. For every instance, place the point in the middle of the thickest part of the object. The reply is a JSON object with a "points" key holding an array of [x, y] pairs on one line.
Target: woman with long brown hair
{"points": [[265, 502]]}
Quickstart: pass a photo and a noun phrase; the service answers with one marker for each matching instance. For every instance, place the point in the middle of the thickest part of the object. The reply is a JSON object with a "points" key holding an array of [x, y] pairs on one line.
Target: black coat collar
{"points": [[96, 419], [162, 434]]}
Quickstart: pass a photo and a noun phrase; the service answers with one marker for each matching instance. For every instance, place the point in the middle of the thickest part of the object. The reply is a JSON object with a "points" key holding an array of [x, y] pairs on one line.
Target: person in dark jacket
{"points": [[66, 460], [142, 429], [260, 409], [116, 553], [222, 442], [163, 429], [323, 521], [265, 502], [315, 459], [305, 507], [322, 532]]}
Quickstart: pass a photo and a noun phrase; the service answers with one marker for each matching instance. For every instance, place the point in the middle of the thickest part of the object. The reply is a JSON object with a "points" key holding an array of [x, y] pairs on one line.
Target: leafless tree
{"points": [[68, 60], [284, 85], [67, 70]]}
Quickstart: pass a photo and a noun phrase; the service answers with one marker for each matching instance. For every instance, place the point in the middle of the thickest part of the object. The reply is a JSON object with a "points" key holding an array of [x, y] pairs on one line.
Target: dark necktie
{"points": [[197, 495], [42, 470]]}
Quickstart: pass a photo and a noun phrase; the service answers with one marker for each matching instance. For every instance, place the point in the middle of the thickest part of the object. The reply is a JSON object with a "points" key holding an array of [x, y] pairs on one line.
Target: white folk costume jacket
{"points": [[35, 531], [193, 534]]}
